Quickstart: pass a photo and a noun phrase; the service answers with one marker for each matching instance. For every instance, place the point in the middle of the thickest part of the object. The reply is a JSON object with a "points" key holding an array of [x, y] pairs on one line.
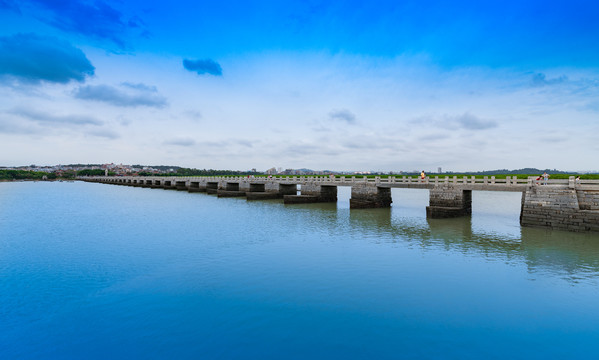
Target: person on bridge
{"points": [[545, 178], [422, 175]]}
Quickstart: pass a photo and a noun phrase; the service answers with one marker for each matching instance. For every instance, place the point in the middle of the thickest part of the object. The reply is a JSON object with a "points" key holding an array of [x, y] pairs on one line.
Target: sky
{"points": [[336, 85]]}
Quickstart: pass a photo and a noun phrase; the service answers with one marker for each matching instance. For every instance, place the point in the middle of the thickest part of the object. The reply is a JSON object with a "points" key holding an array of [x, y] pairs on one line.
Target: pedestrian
{"points": [[422, 175], [545, 178], [578, 179]]}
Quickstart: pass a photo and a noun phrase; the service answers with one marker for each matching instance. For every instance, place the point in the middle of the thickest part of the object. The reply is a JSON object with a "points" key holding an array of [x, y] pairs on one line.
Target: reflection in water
{"points": [[493, 231], [573, 256]]}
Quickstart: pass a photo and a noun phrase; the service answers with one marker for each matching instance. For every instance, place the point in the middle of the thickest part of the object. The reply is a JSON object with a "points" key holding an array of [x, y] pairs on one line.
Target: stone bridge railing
{"points": [[391, 180]]}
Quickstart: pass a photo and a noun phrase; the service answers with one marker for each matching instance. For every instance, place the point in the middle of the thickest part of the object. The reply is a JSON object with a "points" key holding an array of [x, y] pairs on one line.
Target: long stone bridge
{"points": [[560, 204]]}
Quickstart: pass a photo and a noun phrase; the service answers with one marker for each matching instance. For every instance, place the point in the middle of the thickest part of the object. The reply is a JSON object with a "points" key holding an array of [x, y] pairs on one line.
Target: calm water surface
{"points": [[93, 271]]}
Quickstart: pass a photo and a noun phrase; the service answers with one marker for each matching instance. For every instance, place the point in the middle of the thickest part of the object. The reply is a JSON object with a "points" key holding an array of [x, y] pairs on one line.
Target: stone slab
{"points": [[229, 193], [444, 212], [300, 199], [263, 195]]}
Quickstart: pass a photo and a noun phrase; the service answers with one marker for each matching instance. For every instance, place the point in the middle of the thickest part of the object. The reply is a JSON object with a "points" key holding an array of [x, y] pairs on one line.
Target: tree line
{"points": [[25, 175], [41, 175]]}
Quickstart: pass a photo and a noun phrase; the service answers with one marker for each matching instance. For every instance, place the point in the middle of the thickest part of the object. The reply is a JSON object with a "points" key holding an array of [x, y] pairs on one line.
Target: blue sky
{"points": [[340, 85]]}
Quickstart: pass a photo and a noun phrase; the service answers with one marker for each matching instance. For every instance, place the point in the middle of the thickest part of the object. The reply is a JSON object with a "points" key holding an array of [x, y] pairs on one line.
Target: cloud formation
{"points": [[15, 127], [471, 122], [53, 120], [206, 66], [539, 79], [94, 19], [343, 115], [104, 133], [128, 95], [465, 121], [31, 59], [180, 142]]}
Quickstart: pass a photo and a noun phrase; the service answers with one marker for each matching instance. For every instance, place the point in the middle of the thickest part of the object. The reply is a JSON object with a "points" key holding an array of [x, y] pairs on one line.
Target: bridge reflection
{"points": [[572, 256]]}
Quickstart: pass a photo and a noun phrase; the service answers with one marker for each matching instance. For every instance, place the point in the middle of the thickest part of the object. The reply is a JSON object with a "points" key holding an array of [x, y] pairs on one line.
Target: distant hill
{"points": [[524, 171], [519, 171]]}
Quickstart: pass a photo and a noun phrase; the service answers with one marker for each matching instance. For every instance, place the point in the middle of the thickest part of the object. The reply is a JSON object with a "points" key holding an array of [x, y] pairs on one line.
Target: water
{"points": [[93, 271]]}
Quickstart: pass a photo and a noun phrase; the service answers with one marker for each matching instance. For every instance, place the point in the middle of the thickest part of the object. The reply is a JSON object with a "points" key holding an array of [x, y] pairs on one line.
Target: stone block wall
{"points": [[282, 189], [446, 196], [181, 185], [212, 187], [588, 199], [369, 196], [325, 193], [231, 186], [256, 187], [197, 186], [449, 202], [559, 208]]}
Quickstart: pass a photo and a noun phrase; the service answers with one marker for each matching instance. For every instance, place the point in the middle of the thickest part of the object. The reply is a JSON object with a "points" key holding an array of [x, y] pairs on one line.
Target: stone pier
{"points": [[365, 196], [196, 186], [168, 185], [313, 193], [231, 189], [212, 187], [257, 187], [284, 189], [270, 190], [562, 208], [448, 202], [181, 185]]}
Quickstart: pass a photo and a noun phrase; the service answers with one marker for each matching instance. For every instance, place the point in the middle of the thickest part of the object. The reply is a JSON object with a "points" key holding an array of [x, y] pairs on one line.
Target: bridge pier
{"points": [[231, 189], [449, 202], [257, 187], [212, 187], [196, 186], [561, 208], [181, 185], [168, 185], [258, 192], [270, 190], [313, 193], [364, 196]]}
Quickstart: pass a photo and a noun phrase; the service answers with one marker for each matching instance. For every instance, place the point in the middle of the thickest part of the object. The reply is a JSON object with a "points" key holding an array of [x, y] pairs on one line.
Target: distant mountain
{"points": [[519, 171]]}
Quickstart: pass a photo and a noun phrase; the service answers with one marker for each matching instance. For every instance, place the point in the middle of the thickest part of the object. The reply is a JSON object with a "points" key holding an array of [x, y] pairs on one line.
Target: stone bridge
{"points": [[560, 204]]}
